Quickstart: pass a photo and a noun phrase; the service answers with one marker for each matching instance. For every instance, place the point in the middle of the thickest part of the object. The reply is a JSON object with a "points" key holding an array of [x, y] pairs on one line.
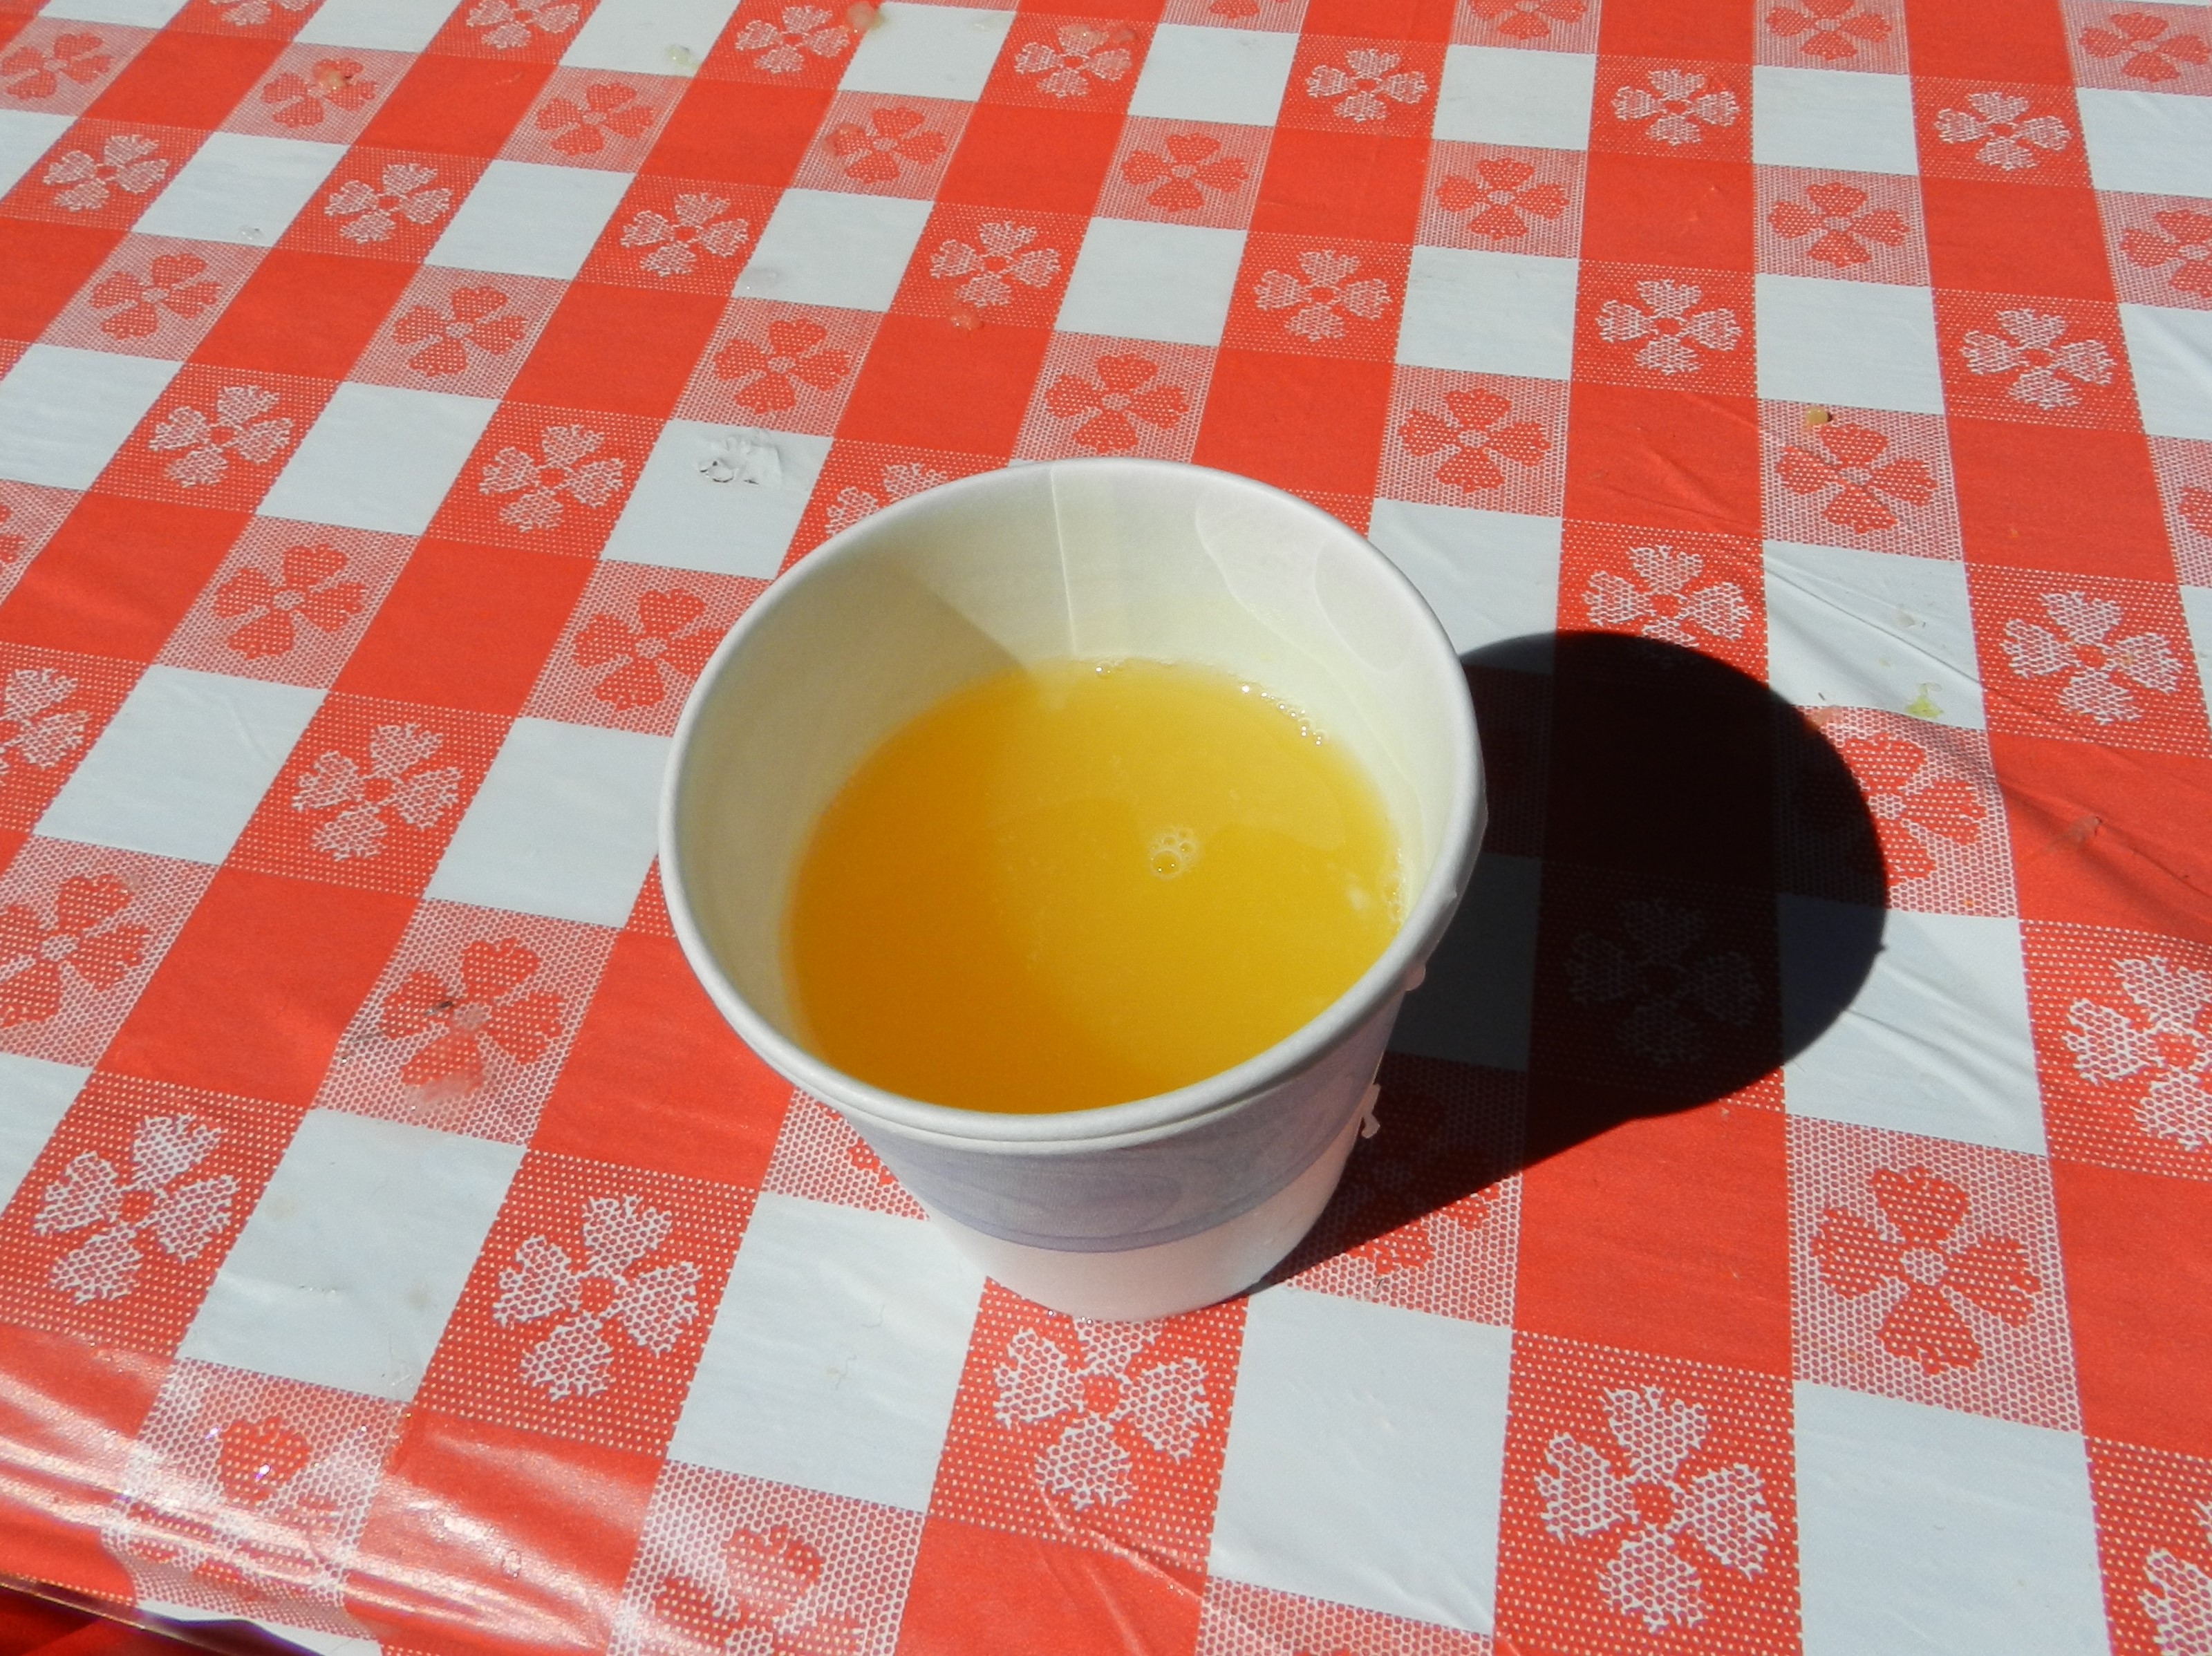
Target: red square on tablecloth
{"points": [[1601, 1547], [975, 1589], [1107, 1435], [68, 1414], [1318, 296], [2140, 1297], [1703, 592], [1660, 326], [656, 1079], [1186, 173], [2120, 1018], [2087, 660], [589, 1304], [371, 794], [2107, 836], [2154, 1535], [506, 1543], [2018, 356], [54, 704], [1996, 131], [1672, 106], [122, 1221]]}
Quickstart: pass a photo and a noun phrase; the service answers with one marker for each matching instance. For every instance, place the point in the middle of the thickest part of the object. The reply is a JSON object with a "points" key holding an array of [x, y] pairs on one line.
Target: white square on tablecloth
{"points": [[1864, 344], [633, 36], [240, 187], [2152, 143], [1924, 1530], [678, 518], [1227, 75], [835, 1354], [1134, 280], [1485, 312], [354, 1255], [379, 457], [562, 827], [1365, 1455], [64, 413], [928, 51], [829, 248], [1934, 1042], [25, 135], [132, 13], [2171, 353], [1500, 94], [375, 25], [1475, 1004], [182, 765], [1489, 575], [1846, 119], [1847, 627], [524, 218], [34, 1096]]}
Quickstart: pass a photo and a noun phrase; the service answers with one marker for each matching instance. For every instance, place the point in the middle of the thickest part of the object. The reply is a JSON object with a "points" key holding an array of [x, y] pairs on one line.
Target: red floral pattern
{"points": [[1919, 1249], [1126, 386], [1503, 192], [307, 590], [2148, 47], [1867, 489], [484, 1010], [1472, 438], [38, 959], [642, 654], [1839, 222]]}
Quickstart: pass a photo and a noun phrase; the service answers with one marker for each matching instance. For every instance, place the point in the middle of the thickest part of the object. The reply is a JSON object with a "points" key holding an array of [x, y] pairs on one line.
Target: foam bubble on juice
{"points": [[1082, 883]]}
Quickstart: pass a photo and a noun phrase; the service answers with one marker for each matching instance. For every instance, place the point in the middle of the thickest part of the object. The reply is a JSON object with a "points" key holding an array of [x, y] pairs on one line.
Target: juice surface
{"points": [[1082, 882]]}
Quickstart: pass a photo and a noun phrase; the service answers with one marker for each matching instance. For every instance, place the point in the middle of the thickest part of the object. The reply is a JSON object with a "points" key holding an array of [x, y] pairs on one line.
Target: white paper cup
{"points": [[1164, 1203]]}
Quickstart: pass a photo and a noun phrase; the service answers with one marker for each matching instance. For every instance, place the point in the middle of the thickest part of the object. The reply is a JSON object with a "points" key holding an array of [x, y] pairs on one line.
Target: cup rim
{"points": [[1133, 1120]]}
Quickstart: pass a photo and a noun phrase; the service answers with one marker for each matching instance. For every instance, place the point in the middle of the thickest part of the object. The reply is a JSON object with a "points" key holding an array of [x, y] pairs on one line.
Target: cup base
{"points": [[1136, 1285]]}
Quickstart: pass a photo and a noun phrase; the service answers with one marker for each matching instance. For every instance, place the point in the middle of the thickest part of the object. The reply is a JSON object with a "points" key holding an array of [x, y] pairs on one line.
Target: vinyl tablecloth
{"points": [[1789, 1224]]}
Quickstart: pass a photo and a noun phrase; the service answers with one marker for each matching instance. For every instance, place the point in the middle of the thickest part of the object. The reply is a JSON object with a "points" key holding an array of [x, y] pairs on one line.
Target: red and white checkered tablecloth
{"points": [[400, 400]]}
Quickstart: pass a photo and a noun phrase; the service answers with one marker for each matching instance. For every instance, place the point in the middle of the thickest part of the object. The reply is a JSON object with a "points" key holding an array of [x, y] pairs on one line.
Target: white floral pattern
{"points": [[236, 429], [2094, 660], [1083, 52], [508, 24], [651, 1306], [35, 729], [1665, 981], [2164, 1039], [1650, 1576], [252, 14], [1320, 293], [2180, 1606], [373, 211], [1090, 1464], [990, 270], [676, 242], [1671, 331], [1992, 121], [2047, 371], [392, 782], [538, 484], [1678, 104], [127, 162], [92, 1194], [1666, 606], [782, 50], [1367, 85], [901, 479]]}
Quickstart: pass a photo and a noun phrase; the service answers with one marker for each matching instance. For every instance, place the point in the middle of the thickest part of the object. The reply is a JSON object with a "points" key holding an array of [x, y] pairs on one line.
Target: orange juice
{"points": [[1082, 882]]}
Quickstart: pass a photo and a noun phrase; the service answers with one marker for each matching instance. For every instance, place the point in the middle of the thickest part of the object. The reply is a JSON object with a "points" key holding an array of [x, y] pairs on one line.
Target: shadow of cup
{"points": [[1665, 832]]}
